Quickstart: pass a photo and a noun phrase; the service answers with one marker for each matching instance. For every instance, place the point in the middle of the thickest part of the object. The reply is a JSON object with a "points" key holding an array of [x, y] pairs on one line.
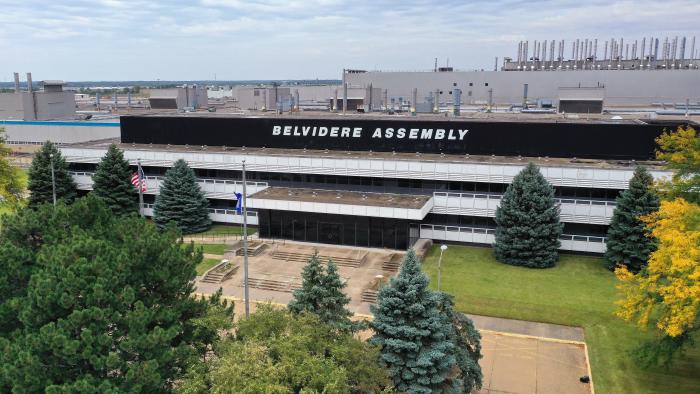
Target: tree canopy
{"points": [[527, 219], [40, 185], [112, 182], [666, 294], [10, 178], [181, 201], [321, 293], [93, 302], [681, 151], [275, 351], [629, 243], [420, 335]]}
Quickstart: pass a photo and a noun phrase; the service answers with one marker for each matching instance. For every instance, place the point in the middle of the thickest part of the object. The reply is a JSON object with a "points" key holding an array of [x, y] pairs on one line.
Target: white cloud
{"points": [[238, 39]]}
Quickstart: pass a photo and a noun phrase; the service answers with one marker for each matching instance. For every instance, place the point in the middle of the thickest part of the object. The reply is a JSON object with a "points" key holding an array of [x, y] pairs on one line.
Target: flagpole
{"points": [[245, 247], [140, 186]]}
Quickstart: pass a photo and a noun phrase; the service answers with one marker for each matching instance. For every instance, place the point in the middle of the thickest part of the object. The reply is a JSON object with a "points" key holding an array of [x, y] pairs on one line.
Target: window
{"points": [[471, 83], [256, 93], [486, 84]]}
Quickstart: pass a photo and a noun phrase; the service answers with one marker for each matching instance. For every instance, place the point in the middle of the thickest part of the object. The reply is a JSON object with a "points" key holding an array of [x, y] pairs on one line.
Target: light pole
{"points": [[53, 180], [245, 245], [443, 248]]}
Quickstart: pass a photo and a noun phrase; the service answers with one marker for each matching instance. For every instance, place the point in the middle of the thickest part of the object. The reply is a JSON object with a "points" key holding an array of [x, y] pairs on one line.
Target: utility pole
{"points": [[245, 247], [140, 186]]}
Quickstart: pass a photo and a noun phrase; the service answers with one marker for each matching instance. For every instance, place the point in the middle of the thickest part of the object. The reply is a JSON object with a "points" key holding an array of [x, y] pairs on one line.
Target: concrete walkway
{"points": [[529, 328]]}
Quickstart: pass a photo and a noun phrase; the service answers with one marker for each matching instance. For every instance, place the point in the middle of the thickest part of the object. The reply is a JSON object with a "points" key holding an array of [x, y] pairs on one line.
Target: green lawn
{"points": [[578, 292], [227, 229], [213, 248], [206, 264]]}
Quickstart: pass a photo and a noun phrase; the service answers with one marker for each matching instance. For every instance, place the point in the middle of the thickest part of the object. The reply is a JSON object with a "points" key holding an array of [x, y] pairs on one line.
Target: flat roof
{"points": [[343, 197], [495, 117], [429, 157]]}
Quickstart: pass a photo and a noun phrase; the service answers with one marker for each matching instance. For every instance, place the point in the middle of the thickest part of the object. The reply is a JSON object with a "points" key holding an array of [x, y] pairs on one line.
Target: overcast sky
{"points": [[288, 39]]}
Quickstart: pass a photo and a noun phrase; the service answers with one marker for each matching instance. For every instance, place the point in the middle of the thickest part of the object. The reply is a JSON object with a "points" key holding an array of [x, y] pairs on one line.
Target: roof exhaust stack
{"points": [[30, 85], [16, 82]]}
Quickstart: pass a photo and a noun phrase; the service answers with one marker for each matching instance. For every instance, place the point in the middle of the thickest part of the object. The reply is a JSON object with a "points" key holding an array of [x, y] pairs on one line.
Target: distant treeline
{"points": [[164, 84]]}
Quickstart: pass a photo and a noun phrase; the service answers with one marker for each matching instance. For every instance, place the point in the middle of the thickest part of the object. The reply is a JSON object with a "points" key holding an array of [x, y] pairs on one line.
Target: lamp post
{"points": [[245, 245], [443, 248], [53, 180]]}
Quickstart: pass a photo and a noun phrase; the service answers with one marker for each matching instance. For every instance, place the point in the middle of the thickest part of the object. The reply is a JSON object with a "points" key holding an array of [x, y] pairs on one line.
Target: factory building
{"points": [[51, 102], [180, 98], [628, 75], [384, 181]]}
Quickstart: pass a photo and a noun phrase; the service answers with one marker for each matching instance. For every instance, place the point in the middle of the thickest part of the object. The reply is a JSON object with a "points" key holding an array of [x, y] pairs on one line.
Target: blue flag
{"points": [[239, 199]]}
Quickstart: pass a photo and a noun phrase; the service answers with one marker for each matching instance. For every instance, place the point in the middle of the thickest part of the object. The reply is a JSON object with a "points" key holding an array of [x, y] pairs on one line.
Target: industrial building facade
{"points": [[355, 182], [634, 88]]}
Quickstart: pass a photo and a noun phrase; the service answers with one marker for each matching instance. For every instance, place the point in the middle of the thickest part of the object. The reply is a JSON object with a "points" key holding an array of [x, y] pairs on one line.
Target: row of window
{"points": [[371, 184], [487, 222]]}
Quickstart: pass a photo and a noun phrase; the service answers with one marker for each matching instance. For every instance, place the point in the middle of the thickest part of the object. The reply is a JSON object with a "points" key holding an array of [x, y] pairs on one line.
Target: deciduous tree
{"points": [[181, 201], [681, 150], [666, 294], [10, 178], [276, 351], [528, 222], [112, 182], [40, 185], [629, 243]]}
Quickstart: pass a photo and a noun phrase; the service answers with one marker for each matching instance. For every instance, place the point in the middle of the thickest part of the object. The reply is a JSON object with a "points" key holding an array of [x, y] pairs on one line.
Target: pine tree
{"points": [[100, 302], [181, 201], [40, 186], [414, 335], [528, 222], [629, 243], [321, 293], [112, 182]]}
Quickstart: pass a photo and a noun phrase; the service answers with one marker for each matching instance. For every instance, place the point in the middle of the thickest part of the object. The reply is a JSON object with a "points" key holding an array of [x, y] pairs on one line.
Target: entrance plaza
{"points": [[519, 356]]}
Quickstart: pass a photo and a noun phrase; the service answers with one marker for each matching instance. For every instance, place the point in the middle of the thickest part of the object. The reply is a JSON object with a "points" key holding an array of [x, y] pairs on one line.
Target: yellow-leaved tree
{"points": [[681, 151], [666, 295]]}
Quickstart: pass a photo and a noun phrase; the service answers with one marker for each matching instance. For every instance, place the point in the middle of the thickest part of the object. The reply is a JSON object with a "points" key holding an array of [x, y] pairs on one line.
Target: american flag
{"points": [[135, 180]]}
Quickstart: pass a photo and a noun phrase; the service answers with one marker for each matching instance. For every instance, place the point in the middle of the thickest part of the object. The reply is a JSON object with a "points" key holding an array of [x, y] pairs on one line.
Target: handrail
{"points": [[491, 230], [199, 180], [495, 196]]}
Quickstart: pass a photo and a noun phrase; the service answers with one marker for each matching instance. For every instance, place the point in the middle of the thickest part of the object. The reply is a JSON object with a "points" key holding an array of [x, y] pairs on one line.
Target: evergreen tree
{"points": [[112, 182], [321, 293], [40, 186], [96, 302], [414, 335], [467, 340], [181, 201], [629, 243], [334, 305], [528, 222]]}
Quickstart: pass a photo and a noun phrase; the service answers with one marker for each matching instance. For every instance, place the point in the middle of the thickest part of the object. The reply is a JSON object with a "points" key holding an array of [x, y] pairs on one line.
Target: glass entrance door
{"points": [[330, 233]]}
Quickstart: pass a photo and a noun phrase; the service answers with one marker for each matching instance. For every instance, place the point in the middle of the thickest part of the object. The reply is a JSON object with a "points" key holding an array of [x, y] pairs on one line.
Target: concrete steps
{"points": [[393, 263], [304, 257], [370, 296], [272, 285], [220, 273]]}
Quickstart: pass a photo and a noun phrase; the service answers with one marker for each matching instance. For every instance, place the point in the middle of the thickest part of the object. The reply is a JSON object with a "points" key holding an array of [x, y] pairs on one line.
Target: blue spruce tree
{"points": [[414, 335], [528, 222]]}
